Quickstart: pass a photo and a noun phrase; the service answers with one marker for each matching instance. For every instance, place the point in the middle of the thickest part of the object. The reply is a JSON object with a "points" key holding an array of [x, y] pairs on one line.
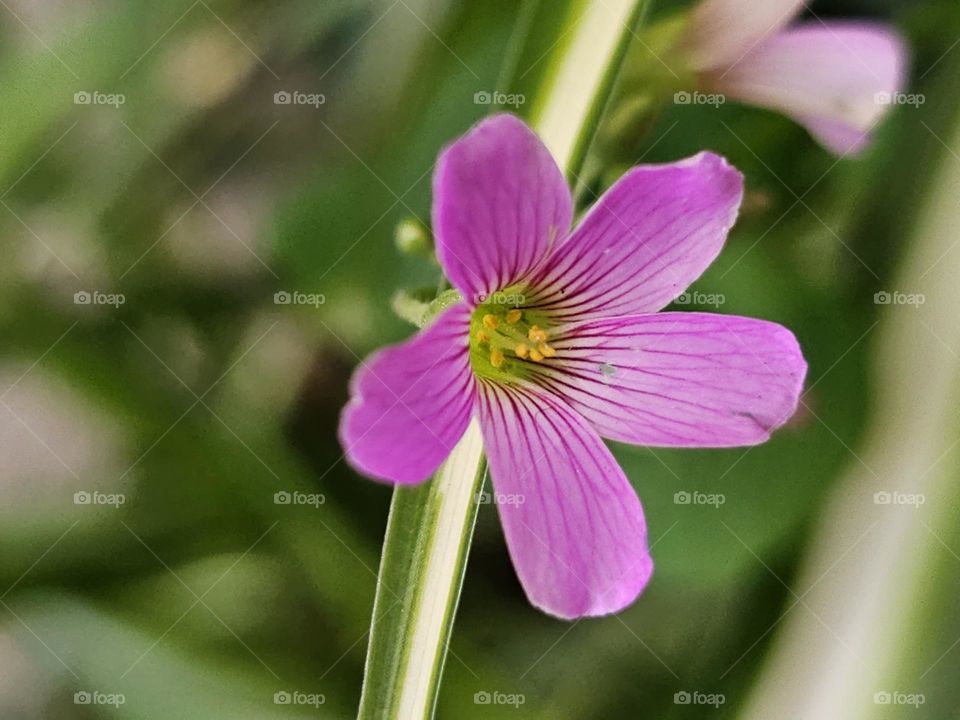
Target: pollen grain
{"points": [[546, 350], [536, 334]]}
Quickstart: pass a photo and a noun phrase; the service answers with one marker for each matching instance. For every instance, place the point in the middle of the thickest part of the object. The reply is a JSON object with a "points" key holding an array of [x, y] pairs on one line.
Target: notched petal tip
{"points": [[717, 170]]}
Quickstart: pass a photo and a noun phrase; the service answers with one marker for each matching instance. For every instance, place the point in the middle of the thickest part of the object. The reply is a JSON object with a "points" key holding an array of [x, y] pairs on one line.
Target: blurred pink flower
{"points": [[557, 343], [836, 78]]}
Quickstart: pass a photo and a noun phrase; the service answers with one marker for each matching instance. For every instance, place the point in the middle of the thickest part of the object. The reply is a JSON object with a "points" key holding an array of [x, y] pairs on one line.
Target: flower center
{"points": [[507, 341]]}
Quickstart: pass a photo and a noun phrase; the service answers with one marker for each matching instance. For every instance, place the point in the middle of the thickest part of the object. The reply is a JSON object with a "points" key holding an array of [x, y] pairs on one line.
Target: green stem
{"points": [[424, 559], [569, 109], [431, 526]]}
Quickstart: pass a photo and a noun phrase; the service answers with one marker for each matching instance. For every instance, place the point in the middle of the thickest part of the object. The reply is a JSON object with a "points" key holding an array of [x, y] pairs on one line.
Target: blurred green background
{"points": [[148, 568]]}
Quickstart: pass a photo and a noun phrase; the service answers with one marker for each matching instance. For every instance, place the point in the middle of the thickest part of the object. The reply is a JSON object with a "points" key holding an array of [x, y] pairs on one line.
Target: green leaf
{"points": [[135, 676]]}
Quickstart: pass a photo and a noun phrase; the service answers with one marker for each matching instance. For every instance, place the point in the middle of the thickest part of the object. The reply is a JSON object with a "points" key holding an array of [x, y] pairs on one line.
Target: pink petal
{"points": [[573, 523], [837, 137], [722, 31], [829, 77], [679, 379], [651, 235], [499, 203], [411, 403]]}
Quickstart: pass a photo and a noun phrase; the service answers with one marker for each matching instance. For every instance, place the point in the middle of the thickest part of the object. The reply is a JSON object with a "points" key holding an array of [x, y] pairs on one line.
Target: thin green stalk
{"points": [[424, 559], [431, 526], [568, 110]]}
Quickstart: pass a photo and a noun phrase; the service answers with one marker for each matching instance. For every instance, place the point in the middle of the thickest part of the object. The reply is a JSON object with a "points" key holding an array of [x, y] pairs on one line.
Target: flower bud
{"points": [[412, 238]]}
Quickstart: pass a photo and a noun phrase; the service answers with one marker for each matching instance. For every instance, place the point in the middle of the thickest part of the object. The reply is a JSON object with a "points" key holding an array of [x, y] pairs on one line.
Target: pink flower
{"points": [[836, 78], [558, 343]]}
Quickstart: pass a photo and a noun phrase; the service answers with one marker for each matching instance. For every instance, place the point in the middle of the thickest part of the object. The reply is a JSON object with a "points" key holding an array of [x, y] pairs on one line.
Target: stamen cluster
{"points": [[504, 339]]}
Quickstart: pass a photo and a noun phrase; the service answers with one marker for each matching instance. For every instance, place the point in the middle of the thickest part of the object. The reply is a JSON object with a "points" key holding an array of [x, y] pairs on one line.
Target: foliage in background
{"points": [[199, 398]]}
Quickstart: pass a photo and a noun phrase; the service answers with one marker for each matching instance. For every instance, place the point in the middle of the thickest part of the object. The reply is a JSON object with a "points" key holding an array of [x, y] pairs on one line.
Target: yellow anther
{"points": [[546, 350], [521, 350], [496, 357], [514, 316], [482, 337], [536, 356], [536, 334], [490, 321]]}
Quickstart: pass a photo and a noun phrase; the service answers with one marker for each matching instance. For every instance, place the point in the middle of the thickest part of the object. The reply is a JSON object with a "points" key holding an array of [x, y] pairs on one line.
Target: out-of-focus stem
{"points": [[866, 582]]}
